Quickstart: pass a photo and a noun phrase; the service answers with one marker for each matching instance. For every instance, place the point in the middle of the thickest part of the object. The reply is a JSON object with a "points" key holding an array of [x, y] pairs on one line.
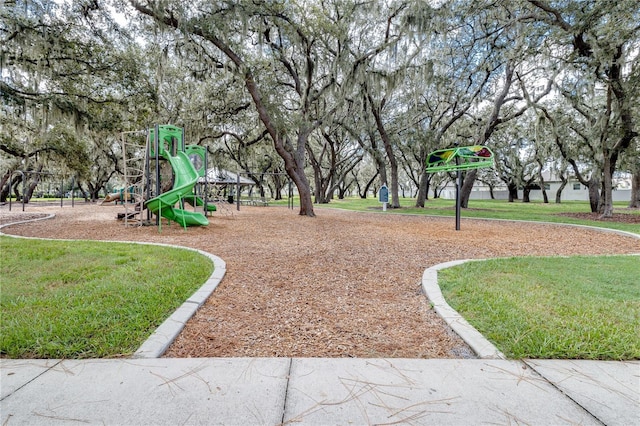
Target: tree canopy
{"points": [[339, 95]]}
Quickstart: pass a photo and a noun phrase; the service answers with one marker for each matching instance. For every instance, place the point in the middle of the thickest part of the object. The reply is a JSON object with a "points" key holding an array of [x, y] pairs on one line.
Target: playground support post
{"points": [[458, 184], [24, 188], [147, 165], [206, 182], [156, 148], [458, 179], [238, 191]]}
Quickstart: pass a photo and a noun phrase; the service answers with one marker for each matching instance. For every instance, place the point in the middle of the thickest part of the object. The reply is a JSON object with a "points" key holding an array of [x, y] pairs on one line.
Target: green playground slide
{"points": [[194, 200], [185, 178]]}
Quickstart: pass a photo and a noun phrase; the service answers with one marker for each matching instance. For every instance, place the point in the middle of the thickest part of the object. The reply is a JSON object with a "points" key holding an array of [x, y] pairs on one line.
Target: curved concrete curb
{"points": [[49, 216], [574, 225], [480, 345], [166, 333]]}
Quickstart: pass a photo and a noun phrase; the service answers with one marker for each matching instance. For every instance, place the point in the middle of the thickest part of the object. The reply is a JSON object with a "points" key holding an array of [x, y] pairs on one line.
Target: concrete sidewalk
{"points": [[318, 391]]}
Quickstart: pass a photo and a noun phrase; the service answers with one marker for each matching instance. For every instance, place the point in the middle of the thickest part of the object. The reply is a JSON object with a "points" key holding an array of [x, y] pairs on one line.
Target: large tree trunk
{"points": [[634, 203], [293, 159], [323, 184], [423, 189], [278, 186], [607, 187], [93, 191], [393, 163], [627, 119], [318, 179], [5, 186], [32, 185], [513, 191], [561, 188], [365, 190], [423, 184], [85, 194], [594, 194], [295, 170], [545, 198], [467, 186], [16, 187]]}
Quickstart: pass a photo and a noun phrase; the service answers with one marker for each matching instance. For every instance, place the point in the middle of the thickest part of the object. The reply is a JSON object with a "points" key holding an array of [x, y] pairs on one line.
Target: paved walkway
{"points": [[318, 391]]}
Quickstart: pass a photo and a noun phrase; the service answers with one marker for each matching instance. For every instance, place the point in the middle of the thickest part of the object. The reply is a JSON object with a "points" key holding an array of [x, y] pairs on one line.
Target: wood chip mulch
{"points": [[342, 284], [628, 217]]}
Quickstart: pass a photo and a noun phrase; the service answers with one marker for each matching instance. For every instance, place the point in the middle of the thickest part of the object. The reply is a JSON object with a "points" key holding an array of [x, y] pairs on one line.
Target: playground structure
{"points": [[151, 186], [459, 158], [456, 160]]}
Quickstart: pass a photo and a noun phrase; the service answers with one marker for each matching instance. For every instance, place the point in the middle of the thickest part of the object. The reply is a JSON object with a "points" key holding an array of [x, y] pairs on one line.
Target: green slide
{"points": [[186, 177], [194, 200]]}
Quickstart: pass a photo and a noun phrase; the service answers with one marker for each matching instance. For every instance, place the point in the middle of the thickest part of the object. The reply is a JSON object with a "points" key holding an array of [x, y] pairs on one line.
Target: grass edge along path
{"points": [[578, 307], [535, 211], [89, 299]]}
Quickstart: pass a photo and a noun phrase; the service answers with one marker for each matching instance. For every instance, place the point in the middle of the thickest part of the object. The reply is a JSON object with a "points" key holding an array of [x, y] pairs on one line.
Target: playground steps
{"points": [[130, 215]]}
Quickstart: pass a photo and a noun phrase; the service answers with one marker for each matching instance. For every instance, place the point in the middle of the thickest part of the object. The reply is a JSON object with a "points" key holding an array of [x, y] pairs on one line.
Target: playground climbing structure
{"points": [[134, 147], [160, 173]]}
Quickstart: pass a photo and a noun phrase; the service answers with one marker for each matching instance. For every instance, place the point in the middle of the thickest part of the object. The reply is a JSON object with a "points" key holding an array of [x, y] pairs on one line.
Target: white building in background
{"points": [[573, 191]]}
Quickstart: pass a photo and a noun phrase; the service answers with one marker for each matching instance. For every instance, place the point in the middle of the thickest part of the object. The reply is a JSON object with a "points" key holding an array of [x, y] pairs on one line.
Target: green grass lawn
{"points": [[497, 209], [92, 299], [563, 308]]}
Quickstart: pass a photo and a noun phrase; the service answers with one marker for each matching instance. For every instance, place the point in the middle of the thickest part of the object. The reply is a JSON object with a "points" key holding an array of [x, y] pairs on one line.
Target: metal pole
{"points": [[238, 191], [73, 182], [206, 181], [10, 186], [147, 164], [458, 181], [61, 191], [156, 147], [24, 189]]}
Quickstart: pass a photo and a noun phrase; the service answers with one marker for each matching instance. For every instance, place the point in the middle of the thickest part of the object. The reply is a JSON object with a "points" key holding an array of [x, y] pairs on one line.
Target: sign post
{"points": [[383, 197]]}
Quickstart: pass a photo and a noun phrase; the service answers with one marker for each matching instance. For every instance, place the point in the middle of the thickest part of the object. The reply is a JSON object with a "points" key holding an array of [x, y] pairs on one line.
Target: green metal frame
{"points": [[459, 158], [170, 140]]}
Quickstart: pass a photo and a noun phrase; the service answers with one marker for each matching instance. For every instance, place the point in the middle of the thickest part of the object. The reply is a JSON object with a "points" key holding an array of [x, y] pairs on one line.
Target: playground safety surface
{"points": [[343, 284]]}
